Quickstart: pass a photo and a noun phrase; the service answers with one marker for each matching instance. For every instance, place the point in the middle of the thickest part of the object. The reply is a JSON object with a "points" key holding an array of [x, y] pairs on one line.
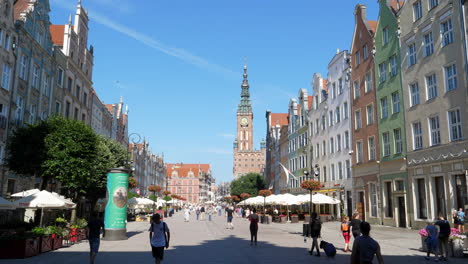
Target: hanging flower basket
{"points": [[154, 188], [244, 196], [264, 193], [310, 185], [166, 193]]}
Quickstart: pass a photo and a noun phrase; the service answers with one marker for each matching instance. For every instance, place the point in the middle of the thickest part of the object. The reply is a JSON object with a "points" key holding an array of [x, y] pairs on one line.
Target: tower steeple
{"points": [[245, 106]]}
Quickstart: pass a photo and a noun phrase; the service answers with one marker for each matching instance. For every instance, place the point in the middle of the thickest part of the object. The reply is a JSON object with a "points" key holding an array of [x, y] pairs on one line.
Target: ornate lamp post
{"points": [[154, 189], [311, 185]]}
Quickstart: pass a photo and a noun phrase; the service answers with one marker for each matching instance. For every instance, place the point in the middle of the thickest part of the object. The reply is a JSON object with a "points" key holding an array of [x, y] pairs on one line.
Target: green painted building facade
{"points": [[390, 116]]}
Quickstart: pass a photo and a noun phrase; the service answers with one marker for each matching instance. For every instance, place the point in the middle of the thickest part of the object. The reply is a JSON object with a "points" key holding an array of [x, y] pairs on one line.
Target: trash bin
{"points": [[305, 230]]}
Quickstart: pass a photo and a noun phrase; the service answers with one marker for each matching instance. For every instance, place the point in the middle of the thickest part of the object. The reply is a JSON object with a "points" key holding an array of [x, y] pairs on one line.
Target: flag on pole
{"points": [[288, 172]]}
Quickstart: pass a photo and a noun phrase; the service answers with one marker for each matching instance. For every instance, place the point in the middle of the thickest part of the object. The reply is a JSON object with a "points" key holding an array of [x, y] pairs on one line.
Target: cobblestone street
{"points": [[211, 242]]}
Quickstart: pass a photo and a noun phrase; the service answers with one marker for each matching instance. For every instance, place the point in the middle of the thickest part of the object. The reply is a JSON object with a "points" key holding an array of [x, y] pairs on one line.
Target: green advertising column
{"points": [[115, 218]]}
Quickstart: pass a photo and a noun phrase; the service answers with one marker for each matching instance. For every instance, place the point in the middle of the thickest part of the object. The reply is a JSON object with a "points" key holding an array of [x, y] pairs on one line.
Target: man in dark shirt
{"points": [[94, 233], [444, 233], [229, 212], [365, 247], [354, 225]]}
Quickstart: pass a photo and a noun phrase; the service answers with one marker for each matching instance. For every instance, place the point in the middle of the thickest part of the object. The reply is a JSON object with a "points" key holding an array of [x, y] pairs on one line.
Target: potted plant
{"points": [[294, 218], [81, 231], [59, 221], [456, 243], [423, 233], [73, 233], [57, 237], [18, 245], [283, 218]]}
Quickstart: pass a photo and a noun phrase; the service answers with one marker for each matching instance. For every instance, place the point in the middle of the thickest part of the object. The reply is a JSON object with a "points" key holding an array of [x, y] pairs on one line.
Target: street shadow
{"points": [[130, 234]]}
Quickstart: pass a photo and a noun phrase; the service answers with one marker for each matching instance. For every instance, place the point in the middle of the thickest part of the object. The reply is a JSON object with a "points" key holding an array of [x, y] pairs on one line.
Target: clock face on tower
{"points": [[244, 121]]}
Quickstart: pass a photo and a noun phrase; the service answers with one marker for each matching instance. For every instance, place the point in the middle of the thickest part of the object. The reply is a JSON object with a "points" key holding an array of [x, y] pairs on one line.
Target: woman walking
{"points": [[345, 232], [432, 241], [354, 225], [315, 229], [253, 218], [456, 221]]}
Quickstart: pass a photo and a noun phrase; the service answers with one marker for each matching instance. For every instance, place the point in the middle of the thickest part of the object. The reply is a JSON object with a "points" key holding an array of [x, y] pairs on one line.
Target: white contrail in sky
{"points": [[181, 54]]}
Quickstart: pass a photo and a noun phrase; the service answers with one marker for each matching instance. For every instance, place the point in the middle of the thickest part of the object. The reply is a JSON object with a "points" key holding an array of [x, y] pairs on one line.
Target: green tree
{"points": [[250, 183]]}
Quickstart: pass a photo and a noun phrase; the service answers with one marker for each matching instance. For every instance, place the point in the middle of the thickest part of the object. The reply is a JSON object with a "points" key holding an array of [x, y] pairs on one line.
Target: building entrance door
{"points": [[361, 206], [440, 197], [401, 212], [349, 203]]}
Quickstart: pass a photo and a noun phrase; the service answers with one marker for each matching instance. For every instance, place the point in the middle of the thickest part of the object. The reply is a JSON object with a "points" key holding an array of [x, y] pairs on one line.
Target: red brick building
{"points": [[191, 181]]}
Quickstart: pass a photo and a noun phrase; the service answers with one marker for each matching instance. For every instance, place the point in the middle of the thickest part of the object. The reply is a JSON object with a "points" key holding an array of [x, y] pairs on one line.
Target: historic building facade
{"points": [[149, 168], [364, 124], [273, 169], [246, 158], [190, 181], [435, 100], [390, 115]]}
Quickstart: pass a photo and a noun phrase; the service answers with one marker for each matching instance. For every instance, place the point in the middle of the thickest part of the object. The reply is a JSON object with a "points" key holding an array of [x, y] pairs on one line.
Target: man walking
{"points": [[365, 247], [94, 231], [202, 213], [444, 233], [229, 212], [158, 238]]}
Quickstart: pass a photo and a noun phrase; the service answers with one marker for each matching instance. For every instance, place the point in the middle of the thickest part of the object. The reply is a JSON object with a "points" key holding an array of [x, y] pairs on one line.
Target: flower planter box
{"points": [[73, 235], [45, 244], [423, 244], [456, 248], [57, 242], [284, 219], [306, 219], [24, 248], [294, 219], [81, 234]]}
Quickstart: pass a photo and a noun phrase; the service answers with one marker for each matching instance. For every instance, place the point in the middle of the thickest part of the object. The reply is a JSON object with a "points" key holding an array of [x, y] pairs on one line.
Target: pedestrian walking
{"points": [[365, 247], [444, 233], [355, 225], [202, 213], [253, 218], [432, 241], [455, 219], [229, 214], [461, 220], [315, 229], [197, 212], [95, 225], [346, 232], [159, 237], [186, 214], [210, 213], [247, 212], [160, 211], [219, 209]]}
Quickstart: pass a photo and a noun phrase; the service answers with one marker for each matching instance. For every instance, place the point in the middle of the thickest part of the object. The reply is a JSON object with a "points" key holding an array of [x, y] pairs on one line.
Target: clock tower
{"points": [[246, 158]]}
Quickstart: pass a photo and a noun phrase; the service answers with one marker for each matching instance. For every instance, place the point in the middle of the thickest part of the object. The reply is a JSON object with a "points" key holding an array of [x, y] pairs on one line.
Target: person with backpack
{"points": [[365, 247], [315, 229], [431, 241], [346, 233], [159, 237], [444, 234], [461, 220], [160, 212]]}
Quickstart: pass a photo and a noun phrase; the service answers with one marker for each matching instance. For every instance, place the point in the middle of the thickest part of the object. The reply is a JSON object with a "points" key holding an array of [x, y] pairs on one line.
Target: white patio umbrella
{"points": [[324, 199], [6, 205], [25, 193], [44, 200]]}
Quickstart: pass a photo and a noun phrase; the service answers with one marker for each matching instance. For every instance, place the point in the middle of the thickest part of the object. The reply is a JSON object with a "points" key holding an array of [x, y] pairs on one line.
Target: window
{"points": [[346, 139], [324, 172], [359, 152], [70, 84], [446, 32], [85, 99], [371, 146], [75, 115], [370, 114], [384, 107], [398, 141], [431, 86], [411, 54], [357, 91], [317, 150], [368, 83], [365, 51], [396, 102], [46, 90], [358, 58], [32, 114], [399, 186], [433, 3], [348, 169], [1, 35], [77, 92], [388, 198], [340, 86], [324, 148], [323, 122], [332, 145], [417, 10], [35, 80], [435, 130], [6, 76], [333, 90], [373, 191], [6, 44], [338, 143], [382, 72], [422, 206], [60, 77], [316, 126], [58, 108], [385, 35], [330, 118], [414, 94], [83, 118], [386, 144], [455, 125], [417, 136], [393, 65], [19, 108], [67, 110], [451, 82], [358, 122], [337, 115], [23, 66], [340, 170], [428, 49], [345, 110]]}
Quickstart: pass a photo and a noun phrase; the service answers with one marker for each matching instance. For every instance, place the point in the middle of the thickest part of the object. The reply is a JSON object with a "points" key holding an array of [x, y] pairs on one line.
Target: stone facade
{"points": [[434, 81], [365, 140], [246, 158], [149, 169]]}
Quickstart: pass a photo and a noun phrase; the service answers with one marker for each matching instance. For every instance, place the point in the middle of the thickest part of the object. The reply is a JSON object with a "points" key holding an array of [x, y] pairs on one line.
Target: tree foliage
{"points": [[250, 183]]}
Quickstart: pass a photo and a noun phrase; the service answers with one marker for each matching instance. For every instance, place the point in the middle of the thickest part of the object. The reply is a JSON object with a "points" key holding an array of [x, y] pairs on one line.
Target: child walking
{"points": [[346, 232]]}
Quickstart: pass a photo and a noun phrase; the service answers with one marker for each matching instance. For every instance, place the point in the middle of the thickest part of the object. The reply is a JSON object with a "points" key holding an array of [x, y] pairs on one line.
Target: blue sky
{"points": [[178, 64]]}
